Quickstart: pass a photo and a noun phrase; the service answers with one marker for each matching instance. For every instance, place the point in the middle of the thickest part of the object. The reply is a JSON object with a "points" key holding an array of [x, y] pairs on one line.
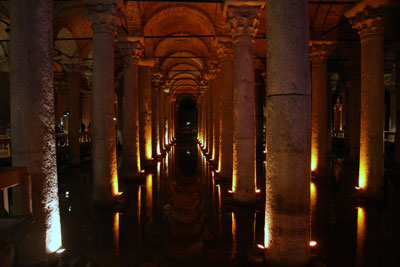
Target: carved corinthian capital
{"points": [[131, 51], [102, 16], [320, 50], [368, 22], [224, 48], [243, 20]]}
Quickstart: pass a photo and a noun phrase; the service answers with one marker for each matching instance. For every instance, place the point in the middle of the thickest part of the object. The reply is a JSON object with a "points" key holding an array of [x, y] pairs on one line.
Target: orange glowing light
{"points": [[258, 190], [116, 231], [362, 177], [234, 236], [261, 246], [361, 230], [314, 160], [142, 171], [115, 183], [230, 191], [149, 195], [313, 243]]}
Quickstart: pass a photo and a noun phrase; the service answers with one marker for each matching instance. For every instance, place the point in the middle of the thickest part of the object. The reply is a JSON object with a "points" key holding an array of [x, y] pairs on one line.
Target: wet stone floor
{"points": [[180, 215]]}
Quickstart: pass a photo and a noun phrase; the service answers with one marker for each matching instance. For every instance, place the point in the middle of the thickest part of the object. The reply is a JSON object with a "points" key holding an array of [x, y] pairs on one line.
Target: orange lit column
{"points": [[145, 112], [287, 210], [73, 69], [105, 180], [225, 53], [166, 116], [243, 21], [214, 82], [32, 126], [161, 123], [155, 130], [132, 51], [319, 52], [199, 116], [204, 89], [210, 111], [368, 23]]}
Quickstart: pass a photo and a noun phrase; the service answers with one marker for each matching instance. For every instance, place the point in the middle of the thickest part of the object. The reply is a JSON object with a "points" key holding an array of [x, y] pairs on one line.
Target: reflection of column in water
{"points": [[254, 228], [149, 196], [313, 203], [361, 227], [116, 232], [139, 215], [219, 210], [234, 237]]}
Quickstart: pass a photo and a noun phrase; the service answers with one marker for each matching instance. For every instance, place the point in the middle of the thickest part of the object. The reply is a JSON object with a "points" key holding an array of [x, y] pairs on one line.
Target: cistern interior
{"points": [[199, 133]]}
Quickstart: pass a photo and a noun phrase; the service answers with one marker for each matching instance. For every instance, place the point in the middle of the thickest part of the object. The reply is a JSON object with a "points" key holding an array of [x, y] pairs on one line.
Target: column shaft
{"points": [[369, 26], [155, 130], [226, 122], [130, 134], [287, 214], [243, 21], [32, 125], [145, 114], [161, 120], [105, 178]]}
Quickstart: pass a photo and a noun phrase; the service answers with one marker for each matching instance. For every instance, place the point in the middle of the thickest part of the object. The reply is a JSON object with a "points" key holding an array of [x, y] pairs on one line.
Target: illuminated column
{"points": [[86, 108], [145, 113], [73, 69], [214, 82], [368, 23], [132, 51], [319, 52], [225, 53], [155, 130], [243, 21], [205, 115], [210, 111], [32, 125], [397, 137], [161, 122], [105, 179], [287, 210], [166, 116], [199, 116]]}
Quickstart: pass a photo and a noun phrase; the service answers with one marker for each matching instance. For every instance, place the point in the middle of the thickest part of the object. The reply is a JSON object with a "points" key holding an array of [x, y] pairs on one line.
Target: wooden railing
{"points": [[390, 136]]}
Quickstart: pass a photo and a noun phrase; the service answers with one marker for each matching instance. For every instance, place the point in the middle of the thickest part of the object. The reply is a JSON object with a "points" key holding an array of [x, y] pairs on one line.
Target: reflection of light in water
{"points": [[361, 225], [116, 231], [219, 209], [149, 195], [268, 217], [234, 236], [313, 199], [313, 243], [188, 152], [139, 213], [254, 228]]}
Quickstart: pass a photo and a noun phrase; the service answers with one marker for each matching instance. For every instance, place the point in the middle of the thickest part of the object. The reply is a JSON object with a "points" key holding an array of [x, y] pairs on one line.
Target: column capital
{"points": [[71, 65], [224, 48], [102, 15], [132, 50], [321, 49], [156, 79], [368, 22], [213, 70], [243, 17]]}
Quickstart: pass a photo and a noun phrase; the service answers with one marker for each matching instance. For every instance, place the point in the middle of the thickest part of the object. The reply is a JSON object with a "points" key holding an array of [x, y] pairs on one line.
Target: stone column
{"points": [[155, 125], [243, 21], [199, 116], [145, 115], [319, 52], [215, 84], [166, 116], [105, 178], [225, 54], [368, 23], [86, 109], [287, 212], [73, 69], [161, 123], [132, 51], [397, 137], [210, 110], [32, 125]]}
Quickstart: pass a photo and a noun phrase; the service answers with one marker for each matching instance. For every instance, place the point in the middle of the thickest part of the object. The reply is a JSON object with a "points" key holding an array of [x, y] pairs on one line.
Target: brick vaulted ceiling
{"points": [[181, 35]]}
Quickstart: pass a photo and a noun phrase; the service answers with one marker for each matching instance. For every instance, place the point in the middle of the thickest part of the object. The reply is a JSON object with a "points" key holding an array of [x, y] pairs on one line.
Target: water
{"points": [[180, 215]]}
